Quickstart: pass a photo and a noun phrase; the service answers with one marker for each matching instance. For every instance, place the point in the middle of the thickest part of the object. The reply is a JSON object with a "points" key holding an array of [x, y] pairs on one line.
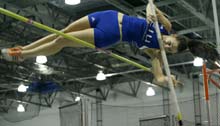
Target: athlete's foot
{"points": [[13, 55]]}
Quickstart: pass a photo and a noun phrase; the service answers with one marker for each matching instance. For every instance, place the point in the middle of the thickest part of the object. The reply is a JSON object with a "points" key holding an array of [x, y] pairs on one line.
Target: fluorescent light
{"points": [[198, 62], [22, 88], [41, 59], [20, 108], [100, 76], [72, 2], [216, 63], [150, 91]]}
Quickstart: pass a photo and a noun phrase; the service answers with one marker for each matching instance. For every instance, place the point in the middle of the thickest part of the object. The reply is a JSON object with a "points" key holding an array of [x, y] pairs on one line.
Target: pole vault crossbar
{"points": [[69, 37], [166, 67]]}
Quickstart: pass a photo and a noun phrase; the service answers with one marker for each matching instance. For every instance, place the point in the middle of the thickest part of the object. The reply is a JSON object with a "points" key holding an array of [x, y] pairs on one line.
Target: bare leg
{"points": [[57, 44], [80, 24], [120, 17]]}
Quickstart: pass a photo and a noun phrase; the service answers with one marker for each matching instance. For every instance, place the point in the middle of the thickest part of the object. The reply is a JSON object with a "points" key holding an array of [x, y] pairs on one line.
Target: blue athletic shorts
{"points": [[106, 27]]}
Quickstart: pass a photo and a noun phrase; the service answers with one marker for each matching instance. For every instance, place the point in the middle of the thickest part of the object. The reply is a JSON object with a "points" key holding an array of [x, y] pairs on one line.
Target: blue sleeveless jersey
{"points": [[141, 33]]}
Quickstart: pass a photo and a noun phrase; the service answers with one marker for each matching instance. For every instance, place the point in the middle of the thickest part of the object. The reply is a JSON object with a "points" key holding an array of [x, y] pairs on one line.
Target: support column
{"points": [[84, 111], [99, 120], [166, 107], [197, 100], [216, 24]]}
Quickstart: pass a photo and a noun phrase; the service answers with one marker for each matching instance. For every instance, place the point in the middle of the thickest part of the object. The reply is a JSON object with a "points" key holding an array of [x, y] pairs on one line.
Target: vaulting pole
{"points": [[74, 39], [166, 66]]}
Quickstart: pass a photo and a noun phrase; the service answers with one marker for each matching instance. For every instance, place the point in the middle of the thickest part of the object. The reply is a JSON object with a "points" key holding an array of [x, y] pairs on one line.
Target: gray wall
{"points": [[47, 117], [121, 110]]}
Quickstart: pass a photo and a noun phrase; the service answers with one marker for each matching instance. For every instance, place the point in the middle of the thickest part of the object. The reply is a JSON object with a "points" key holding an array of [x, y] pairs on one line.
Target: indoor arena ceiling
{"points": [[75, 69]]}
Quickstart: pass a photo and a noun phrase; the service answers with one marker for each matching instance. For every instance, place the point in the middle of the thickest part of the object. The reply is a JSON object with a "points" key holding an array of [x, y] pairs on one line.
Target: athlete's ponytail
{"points": [[198, 48], [203, 49]]}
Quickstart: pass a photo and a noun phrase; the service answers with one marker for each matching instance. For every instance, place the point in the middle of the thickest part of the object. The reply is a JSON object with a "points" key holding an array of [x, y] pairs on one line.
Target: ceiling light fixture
{"points": [[198, 62], [41, 59], [20, 108], [150, 91], [77, 98], [22, 88], [100, 76], [72, 2]]}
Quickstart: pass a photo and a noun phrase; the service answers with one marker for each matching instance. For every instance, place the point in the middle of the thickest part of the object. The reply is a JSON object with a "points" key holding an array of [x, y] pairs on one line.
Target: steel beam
{"points": [[199, 15], [191, 30], [181, 17], [158, 4], [120, 6]]}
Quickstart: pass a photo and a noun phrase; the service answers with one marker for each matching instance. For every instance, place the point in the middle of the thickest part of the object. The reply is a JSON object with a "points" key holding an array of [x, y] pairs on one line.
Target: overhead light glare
{"points": [[22, 88], [41, 59], [100, 76], [72, 2], [198, 62], [20, 108], [150, 91]]}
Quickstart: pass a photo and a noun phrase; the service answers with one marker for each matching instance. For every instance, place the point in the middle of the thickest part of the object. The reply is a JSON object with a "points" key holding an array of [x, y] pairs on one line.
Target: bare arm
{"points": [[156, 61], [161, 18], [156, 69]]}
